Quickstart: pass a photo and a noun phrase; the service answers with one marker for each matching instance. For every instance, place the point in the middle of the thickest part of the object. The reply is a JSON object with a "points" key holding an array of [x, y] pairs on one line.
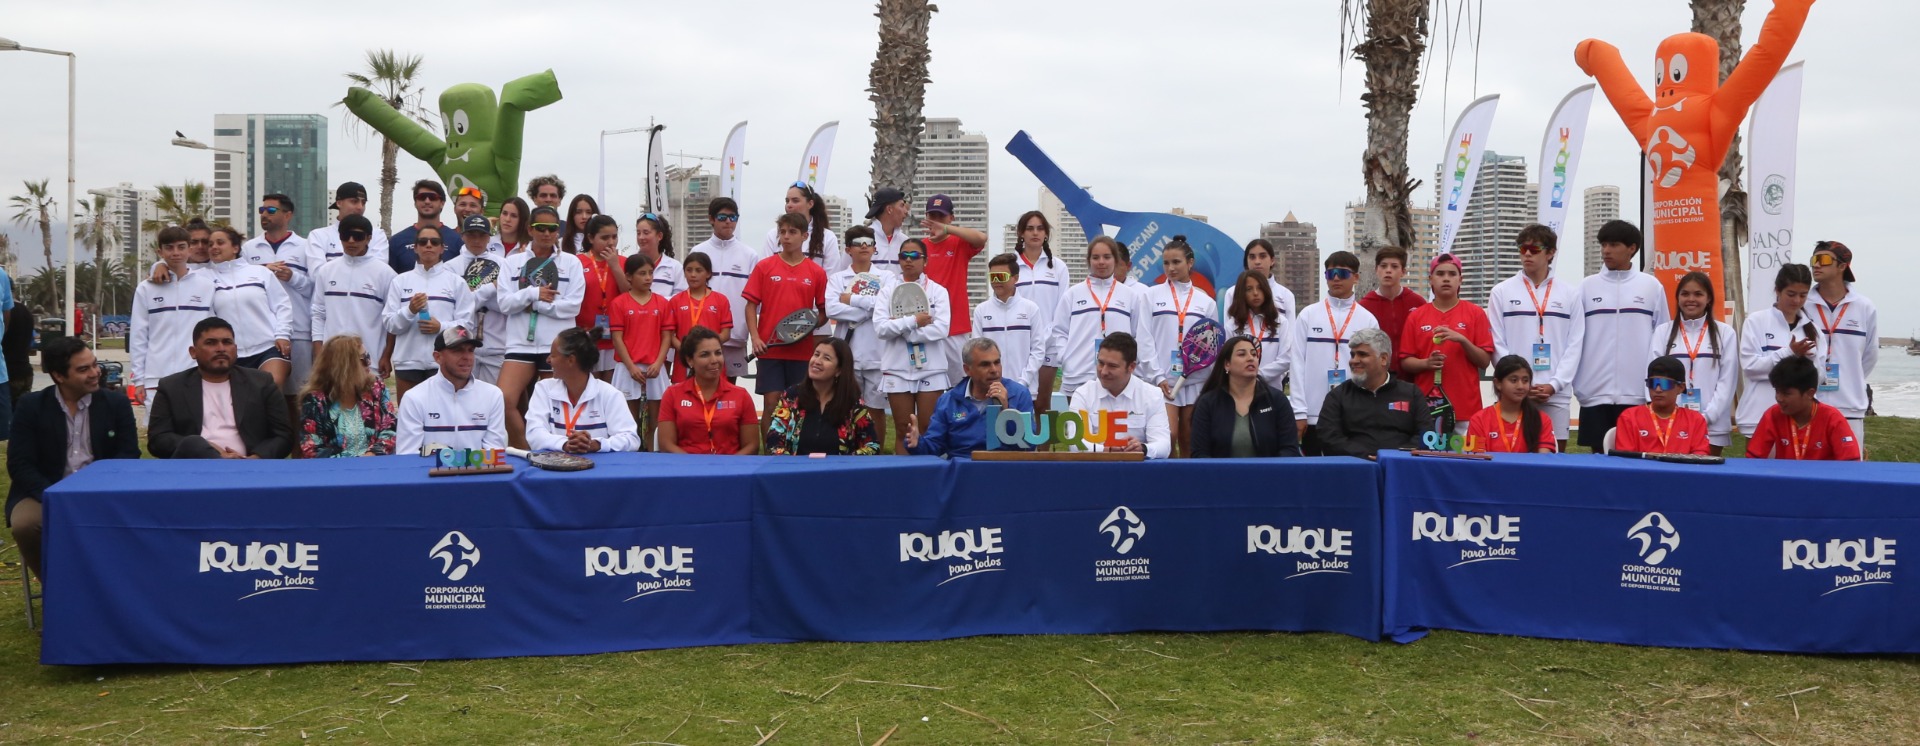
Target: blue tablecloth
{"points": [[1753, 555]]}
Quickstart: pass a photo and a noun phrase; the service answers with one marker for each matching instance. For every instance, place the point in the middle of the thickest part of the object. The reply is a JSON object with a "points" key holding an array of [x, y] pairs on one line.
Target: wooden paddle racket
{"points": [[794, 327], [1199, 348], [553, 460], [1671, 458]]}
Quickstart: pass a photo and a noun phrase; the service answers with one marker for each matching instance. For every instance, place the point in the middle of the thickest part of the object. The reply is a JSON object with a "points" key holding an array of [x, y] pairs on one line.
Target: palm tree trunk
{"points": [[1720, 19], [898, 84], [46, 247], [1395, 39], [389, 178]]}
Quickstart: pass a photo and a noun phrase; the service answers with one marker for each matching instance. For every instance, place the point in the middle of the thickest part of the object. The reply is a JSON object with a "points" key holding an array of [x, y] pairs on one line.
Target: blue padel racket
{"points": [[1217, 257]]}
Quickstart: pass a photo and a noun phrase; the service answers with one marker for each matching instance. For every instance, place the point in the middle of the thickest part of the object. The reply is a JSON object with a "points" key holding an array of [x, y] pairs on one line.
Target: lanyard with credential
{"points": [[526, 275], [1663, 434], [1511, 440], [1340, 334], [572, 414], [706, 412], [1102, 302], [1540, 304], [1800, 443], [1693, 345], [1821, 307], [696, 306], [1178, 307]]}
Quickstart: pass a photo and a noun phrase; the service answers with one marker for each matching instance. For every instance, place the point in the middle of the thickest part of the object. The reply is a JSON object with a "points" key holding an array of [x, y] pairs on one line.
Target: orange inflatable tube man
{"points": [[1687, 127]]}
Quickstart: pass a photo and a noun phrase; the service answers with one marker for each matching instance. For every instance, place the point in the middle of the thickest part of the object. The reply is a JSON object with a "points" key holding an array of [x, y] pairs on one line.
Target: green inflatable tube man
{"points": [[482, 145]]}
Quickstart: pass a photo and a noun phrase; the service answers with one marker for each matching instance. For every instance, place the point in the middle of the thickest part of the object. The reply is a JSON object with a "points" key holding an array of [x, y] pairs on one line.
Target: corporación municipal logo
{"points": [[1855, 563], [1318, 550], [1654, 539], [664, 569], [454, 556], [1480, 538], [967, 552], [272, 566], [1123, 530]]}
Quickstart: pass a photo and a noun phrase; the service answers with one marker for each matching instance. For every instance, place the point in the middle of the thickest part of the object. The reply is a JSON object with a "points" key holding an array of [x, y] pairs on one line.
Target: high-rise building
{"points": [[954, 163], [1503, 202], [689, 190], [1602, 203], [1296, 257], [840, 216], [283, 154], [129, 208], [1426, 242]]}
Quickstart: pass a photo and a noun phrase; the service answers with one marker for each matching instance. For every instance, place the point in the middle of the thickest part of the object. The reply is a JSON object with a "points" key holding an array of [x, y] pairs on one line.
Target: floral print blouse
{"points": [[856, 437], [362, 429]]}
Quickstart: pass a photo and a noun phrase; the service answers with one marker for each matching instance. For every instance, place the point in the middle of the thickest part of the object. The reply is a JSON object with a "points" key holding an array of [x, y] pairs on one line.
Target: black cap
{"points": [[881, 199], [454, 336], [476, 224], [356, 222], [349, 190], [1667, 366]]}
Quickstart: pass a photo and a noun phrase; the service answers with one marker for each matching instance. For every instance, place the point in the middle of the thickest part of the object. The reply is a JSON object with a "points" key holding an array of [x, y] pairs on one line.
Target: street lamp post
{"points": [[9, 45], [190, 143], [602, 193]]}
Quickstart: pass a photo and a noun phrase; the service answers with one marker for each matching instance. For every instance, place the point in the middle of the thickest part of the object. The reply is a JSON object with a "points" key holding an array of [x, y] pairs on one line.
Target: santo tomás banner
{"points": [[1773, 141]]}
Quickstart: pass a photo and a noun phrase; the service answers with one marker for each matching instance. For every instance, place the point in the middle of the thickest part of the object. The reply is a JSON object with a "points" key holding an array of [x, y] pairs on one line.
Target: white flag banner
{"points": [[1462, 166], [813, 165], [1773, 139], [732, 158], [656, 172], [1560, 156]]}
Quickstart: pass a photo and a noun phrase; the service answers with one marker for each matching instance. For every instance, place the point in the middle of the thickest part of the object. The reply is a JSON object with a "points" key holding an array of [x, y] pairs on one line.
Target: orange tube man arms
{"points": [[1687, 126]]}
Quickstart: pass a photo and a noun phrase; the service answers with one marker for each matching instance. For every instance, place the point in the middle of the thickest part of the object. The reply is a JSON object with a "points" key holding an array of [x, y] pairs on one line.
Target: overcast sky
{"points": [[1234, 110]]}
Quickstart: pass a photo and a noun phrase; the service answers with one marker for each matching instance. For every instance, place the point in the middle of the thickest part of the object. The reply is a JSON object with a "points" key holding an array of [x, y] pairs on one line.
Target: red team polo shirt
{"points": [[684, 313], [639, 325], [1490, 433], [1392, 315], [1458, 378], [780, 289], [1639, 430], [600, 292], [1827, 437], [947, 261], [730, 409]]}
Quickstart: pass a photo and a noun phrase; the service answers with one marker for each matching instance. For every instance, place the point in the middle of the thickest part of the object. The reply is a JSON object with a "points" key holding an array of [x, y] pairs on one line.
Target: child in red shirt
{"points": [[1798, 426], [598, 266], [1661, 425], [639, 320], [698, 305], [1514, 424], [779, 285], [1449, 340], [1391, 303]]}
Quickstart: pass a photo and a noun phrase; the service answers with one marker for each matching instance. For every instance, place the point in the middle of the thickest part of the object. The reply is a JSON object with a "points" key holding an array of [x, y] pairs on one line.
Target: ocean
{"points": [[1896, 383]]}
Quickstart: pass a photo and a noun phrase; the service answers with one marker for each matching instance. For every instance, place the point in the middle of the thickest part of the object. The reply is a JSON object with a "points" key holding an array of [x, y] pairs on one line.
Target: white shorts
{"points": [[892, 384], [655, 388], [486, 365], [1186, 395], [956, 365], [1860, 434], [870, 393], [302, 359], [1557, 413]]}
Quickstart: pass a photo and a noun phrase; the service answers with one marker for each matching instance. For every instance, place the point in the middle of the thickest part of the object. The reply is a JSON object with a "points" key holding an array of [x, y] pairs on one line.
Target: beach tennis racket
{"points": [[481, 271], [1216, 256], [553, 460], [1438, 407], [908, 299], [1671, 458], [794, 327], [1199, 347]]}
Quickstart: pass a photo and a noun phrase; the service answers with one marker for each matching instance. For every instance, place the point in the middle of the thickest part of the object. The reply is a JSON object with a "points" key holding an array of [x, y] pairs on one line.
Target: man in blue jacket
{"points": [[60, 430], [958, 426]]}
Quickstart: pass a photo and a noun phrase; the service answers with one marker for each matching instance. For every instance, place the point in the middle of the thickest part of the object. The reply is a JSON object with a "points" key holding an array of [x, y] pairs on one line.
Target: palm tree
{"points": [[393, 78], [1392, 43], [35, 210], [898, 84], [42, 292], [180, 206], [1720, 19], [6, 252], [96, 229], [113, 285]]}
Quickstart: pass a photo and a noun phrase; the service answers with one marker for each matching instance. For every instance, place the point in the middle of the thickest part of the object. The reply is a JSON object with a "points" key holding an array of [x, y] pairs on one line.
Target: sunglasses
{"points": [[545, 227], [427, 242], [913, 255], [803, 186], [998, 276], [1824, 260], [354, 235], [269, 210], [470, 192], [1339, 273], [1529, 249], [862, 241], [427, 197], [1662, 384], [726, 217], [647, 216]]}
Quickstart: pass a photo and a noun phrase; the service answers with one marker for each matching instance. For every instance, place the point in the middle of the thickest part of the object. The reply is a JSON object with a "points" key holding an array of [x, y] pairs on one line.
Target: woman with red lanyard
{"points": [[698, 306], [573, 411], [1514, 424], [1174, 305], [1042, 279], [1089, 311], [600, 272], [705, 413], [1253, 315], [1707, 347]]}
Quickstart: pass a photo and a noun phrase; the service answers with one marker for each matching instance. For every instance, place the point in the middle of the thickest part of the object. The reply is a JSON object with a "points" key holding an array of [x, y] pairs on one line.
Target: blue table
{"points": [[1751, 555]]}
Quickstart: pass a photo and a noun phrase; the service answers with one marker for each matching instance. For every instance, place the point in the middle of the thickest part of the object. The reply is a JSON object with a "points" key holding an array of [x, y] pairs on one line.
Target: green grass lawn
{"points": [[1135, 688]]}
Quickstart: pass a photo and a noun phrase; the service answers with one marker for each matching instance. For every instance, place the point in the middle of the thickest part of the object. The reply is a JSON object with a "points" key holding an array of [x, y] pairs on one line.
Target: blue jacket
{"points": [[958, 427]]}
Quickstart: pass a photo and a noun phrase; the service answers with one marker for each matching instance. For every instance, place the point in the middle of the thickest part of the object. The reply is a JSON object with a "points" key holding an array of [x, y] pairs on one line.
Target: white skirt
{"points": [[655, 387]]}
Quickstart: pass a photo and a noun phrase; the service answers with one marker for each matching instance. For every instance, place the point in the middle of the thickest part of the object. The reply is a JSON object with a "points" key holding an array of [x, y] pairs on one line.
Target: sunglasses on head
{"points": [[545, 227], [269, 210], [726, 217], [470, 192], [999, 276], [803, 186], [913, 255], [1339, 273], [427, 197], [648, 216], [1662, 383], [1529, 249], [354, 235]]}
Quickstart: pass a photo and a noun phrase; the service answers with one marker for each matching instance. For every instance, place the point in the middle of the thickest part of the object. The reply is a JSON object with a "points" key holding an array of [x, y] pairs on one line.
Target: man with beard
{"points": [[216, 409]]}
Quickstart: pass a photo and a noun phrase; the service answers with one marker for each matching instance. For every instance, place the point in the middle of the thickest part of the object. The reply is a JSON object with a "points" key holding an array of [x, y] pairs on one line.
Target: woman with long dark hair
{"points": [[824, 414], [512, 227], [1253, 314], [540, 291], [603, 280], [654, 237], [1695, 338], [1042, 279], [822, 246], [1173, 307], [1775, 334], [580, 210], [1238, 415], [1260, 257], [249, 297], [575, 412], [1514, 424]]}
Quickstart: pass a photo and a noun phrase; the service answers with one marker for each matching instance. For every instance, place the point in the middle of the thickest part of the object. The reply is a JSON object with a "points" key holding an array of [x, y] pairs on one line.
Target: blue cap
{"points": [[939, 204], [476, 223]]}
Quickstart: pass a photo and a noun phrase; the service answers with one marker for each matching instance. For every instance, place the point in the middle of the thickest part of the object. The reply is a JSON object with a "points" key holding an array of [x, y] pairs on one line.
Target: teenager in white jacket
{"points": [[852, 294], [733, 261], [483, 249], [537, 311], [1174, 305], [420, 302], [1090, 310], [1851, 326], [1320, 336], [1253, 313], [1710, 351], [251, 299], [163, 314], [323, 243], [1533, 316], [1042, 279], [1015, 324], [1619, 309], [349, 294], [913, 358], [1775, 334]]}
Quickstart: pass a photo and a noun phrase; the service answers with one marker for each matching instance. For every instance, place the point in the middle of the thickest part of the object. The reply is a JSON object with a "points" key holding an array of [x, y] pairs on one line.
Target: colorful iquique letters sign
{"points": [[469, 458], [1014, 428]]}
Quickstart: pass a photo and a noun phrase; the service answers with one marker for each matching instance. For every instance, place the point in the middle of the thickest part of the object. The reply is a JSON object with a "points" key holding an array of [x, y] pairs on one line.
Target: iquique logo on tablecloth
{"points": [[667, 568], [1655, 540], [1324, 549], [290, 566], [1493, 536], [1856, 562], [456, 556], [1123, 530], [968, 552]]}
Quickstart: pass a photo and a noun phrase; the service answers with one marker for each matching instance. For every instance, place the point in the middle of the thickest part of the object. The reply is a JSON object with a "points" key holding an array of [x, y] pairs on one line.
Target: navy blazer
{"points": [[37, 452]]}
